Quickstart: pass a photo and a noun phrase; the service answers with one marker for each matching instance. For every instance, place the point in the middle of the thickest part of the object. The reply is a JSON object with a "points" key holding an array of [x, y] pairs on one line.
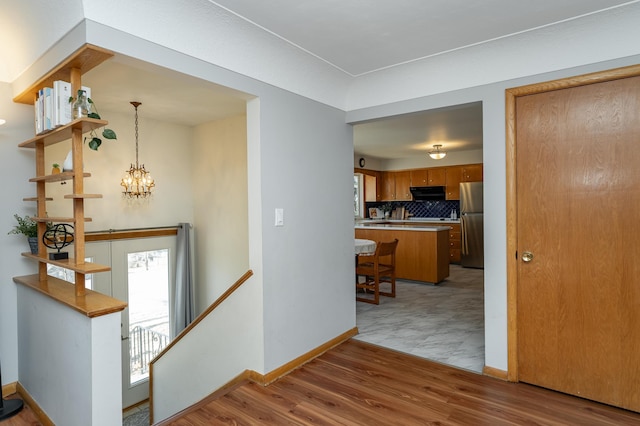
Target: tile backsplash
{"points": [[423, 208]]}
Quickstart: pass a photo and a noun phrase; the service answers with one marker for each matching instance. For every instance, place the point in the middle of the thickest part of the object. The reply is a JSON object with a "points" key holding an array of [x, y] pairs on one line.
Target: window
{"points": [[358, 199]]}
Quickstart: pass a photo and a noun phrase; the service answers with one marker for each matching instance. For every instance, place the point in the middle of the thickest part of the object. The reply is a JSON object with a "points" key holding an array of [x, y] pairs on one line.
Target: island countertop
{"points": [[413, 225]]}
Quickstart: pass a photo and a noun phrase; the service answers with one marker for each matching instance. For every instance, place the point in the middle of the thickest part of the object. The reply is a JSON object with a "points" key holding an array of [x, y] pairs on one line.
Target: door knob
{"points": [[527, 256]]}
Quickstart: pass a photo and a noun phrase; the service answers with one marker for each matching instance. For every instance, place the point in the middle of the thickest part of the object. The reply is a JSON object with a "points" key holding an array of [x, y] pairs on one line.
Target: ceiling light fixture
{"points": [[437, 154], [2, 121], [137, 182]]}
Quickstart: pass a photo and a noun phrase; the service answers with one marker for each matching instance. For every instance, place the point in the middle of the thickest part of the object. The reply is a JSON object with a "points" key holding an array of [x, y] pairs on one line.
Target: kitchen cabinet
{"points": [[370, 188], [395, 186], [420, 255], [388, 186], [454, 239], [428, 177], [457, 174], [472, 173], [419, 177], [453, 179], [403, 183]]}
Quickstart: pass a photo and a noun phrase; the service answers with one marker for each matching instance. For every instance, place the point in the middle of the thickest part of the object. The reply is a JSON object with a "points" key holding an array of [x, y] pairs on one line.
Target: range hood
{"points": [[428, 193]]}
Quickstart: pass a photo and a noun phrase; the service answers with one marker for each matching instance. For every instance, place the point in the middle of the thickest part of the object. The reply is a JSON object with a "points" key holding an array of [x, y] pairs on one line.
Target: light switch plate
{"points": [[279, 217]]}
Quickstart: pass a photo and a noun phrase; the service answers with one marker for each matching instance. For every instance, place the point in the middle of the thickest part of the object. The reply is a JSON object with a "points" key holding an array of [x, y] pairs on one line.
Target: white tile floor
{"points": [[443, 323]]}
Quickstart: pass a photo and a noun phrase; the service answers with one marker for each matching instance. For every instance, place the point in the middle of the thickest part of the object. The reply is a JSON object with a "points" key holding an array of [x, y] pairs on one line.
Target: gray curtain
{"points": [[185, 307]]}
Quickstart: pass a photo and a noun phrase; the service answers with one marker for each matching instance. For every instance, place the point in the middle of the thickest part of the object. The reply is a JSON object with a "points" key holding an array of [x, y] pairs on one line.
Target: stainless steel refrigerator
{"points": [[471, 225]]}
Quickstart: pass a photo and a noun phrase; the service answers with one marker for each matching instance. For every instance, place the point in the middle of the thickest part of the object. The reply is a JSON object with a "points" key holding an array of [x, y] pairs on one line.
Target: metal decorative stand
{"points": [[58, 237], [10, 407]]}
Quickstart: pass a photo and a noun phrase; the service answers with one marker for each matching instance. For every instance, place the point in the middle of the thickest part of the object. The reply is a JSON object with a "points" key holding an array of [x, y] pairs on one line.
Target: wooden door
{"points": [[578, 194]]}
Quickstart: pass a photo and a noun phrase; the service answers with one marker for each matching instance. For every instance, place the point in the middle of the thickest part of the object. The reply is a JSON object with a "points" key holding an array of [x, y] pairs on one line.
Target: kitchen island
{"points": [[423, 250]]}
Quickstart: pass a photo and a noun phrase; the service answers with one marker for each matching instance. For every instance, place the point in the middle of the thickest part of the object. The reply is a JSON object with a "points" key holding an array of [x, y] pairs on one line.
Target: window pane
{"points": [[148, 283]]}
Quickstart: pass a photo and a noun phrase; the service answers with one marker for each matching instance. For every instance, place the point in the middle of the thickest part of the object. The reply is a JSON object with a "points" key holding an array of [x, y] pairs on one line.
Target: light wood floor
{"points": [[358, 383]]}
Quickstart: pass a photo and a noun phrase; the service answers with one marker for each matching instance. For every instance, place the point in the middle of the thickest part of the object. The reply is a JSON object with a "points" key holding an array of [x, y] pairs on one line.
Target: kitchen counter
{"points": [[415, 225]]}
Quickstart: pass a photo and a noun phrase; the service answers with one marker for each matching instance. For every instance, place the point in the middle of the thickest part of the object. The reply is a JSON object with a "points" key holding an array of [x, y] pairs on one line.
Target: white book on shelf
{"points": [[40, 112], [62, 106], [48, 108], [36, 115]]}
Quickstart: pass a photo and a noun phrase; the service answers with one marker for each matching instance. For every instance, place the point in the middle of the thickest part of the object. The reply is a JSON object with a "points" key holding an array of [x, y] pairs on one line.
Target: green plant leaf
{"points": [[109, 134], [93, 115], [95, 143]]}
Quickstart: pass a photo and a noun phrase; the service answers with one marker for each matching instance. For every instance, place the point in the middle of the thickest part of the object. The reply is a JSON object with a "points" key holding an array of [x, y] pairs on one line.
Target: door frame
{"points": [[511, 96]]}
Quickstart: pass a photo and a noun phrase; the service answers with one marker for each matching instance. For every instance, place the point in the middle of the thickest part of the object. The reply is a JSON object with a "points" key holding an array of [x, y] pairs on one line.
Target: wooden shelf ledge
{"points": [[84, 59], [84, 268], [60, 219], [63, 133], [78, 196], [92, 304], [36, 199], [58, 177]]}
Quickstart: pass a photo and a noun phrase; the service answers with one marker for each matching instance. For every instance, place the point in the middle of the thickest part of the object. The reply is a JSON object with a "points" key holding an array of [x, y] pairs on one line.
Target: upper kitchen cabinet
{"points": [[472, 173], [395, 186], [372, 184], [371, 192], [419, 177], [403, 183], [428, 177], [457, 174], [438, 176], [453, 179]]}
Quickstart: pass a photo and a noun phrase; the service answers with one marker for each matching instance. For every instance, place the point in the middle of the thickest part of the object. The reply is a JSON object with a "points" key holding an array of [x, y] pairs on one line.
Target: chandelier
{"points": [[137, 181], [437, 154]]}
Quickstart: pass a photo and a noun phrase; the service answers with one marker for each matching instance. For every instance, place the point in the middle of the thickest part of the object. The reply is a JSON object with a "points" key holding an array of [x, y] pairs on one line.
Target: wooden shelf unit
{"points": [[71, 69]]}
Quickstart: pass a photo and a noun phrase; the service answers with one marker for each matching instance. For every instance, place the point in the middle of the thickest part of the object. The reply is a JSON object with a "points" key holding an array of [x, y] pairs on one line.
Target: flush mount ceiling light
{"points": [[2, 121], [437, 154], [137, 182]]}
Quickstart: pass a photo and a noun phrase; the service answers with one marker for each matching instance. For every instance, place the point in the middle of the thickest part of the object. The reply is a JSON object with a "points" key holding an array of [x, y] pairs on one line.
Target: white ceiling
{"points": [[355, 36], [361, 36]]}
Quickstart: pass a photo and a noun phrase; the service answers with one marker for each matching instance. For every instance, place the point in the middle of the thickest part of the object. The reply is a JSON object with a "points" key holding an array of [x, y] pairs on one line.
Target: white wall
{"points": [[219, 171], [17, 168], [83, 388], [421, 161]]}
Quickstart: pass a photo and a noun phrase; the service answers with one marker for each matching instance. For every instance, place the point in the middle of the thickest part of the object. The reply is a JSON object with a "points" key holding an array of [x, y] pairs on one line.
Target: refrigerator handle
{"points": [[464, 243]]}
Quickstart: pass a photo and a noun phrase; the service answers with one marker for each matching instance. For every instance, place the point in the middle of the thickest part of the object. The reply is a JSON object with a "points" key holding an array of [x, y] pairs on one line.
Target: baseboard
{"points": [[9, 389], [495, 373], [261, 379], [302, 359], [33, 405]]}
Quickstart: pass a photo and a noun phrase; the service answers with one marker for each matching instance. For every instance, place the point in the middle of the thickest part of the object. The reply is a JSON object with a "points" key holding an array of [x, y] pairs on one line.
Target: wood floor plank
{"points": [[357, 383]]}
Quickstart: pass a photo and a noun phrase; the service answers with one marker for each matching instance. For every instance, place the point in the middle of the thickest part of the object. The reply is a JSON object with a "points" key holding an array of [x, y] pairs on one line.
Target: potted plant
{"points": [[29, 228], [386, 208], [88, 108]]}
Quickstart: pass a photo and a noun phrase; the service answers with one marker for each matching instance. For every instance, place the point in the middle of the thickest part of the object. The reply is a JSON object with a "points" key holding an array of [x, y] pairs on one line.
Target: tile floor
{"points": [[134, 416], [443, 323]]}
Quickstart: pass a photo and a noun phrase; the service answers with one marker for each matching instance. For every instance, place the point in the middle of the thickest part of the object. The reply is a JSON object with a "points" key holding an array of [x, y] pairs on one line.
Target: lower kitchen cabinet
{"points": [[420, 256], [455, 240]]}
